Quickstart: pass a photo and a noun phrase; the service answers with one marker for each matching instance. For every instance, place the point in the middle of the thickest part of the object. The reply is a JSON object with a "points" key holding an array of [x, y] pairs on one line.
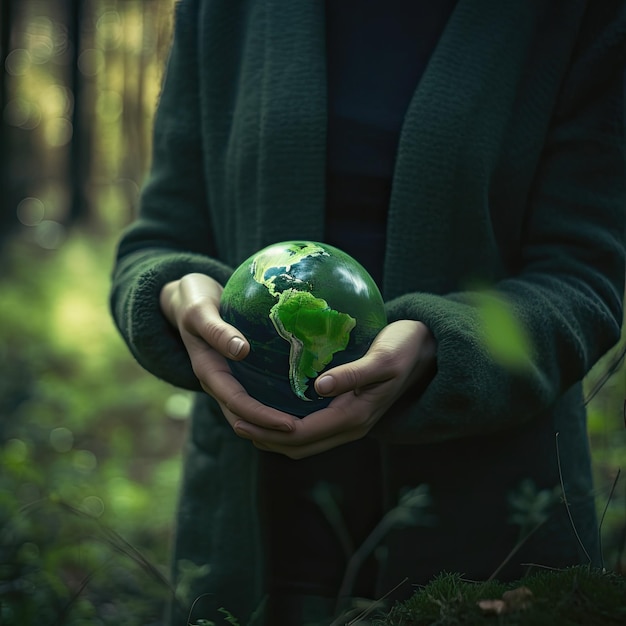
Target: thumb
{"points": [[192, 304], [221, 336], [352, 376], [392, 354]]}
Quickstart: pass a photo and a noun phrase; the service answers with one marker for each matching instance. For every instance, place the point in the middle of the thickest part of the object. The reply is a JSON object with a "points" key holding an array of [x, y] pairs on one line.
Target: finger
{"points": [[392, 354], [258, 415], [217, 380], [205, 322], [319, 432], [246, 410], [286, 444], [201, 317], [346, 419], [354, 376]]}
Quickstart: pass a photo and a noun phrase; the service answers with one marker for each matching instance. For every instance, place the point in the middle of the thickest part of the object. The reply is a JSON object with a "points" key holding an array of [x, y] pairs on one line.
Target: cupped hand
{"points": [[402, 356], [191, 304]]}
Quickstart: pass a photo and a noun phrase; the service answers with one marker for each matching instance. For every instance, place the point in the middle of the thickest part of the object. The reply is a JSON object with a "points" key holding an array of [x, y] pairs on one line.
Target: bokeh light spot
{"points": [[110, 106], [58, 132], [49, 234], [40, 36], [22, 114], [57, 100], [17, 62], [15, 450], [91, 62], [61, 439], [178, 406], [94, 506], [109, 27], [85, 460], [30, 211]]}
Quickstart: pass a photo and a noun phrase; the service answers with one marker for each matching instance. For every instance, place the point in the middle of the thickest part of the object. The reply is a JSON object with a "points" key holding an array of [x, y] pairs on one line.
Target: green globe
{"points": [[304, 307]]}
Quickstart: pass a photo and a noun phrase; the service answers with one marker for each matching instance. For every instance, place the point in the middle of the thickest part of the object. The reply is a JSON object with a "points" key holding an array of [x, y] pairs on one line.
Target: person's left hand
{"points": [[401, 356]]}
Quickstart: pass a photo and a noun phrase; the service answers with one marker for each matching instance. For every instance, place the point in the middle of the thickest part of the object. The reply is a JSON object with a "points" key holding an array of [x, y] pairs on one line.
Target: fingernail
{"points": [[235, 345], [241, 431], [325, 385]]}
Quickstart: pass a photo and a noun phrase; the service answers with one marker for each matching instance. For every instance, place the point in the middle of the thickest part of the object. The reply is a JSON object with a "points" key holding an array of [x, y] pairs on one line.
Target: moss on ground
{"points": [[575, 596]]}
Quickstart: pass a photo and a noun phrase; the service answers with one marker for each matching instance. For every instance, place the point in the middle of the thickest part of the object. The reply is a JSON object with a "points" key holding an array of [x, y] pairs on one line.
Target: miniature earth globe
{"points": [[304, 307]]}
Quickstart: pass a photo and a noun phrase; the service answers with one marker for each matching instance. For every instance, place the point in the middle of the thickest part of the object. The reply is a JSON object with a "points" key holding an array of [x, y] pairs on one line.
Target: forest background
{"points": [[90, 444]]}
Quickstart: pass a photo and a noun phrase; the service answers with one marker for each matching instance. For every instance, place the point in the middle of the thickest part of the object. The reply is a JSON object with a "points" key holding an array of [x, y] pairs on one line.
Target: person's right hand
{"points": [[191, 304]]}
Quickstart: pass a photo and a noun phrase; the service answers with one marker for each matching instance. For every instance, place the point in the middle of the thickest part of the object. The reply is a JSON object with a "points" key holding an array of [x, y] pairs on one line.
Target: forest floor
{"points": [[577, 596]]}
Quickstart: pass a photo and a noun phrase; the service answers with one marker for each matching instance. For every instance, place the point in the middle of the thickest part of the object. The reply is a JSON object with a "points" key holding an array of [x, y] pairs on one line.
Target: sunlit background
{"points": [[90, 445]]}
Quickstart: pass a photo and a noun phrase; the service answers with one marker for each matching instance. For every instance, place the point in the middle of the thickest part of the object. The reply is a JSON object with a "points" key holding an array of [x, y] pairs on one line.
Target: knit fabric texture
{"points": [[508, 195]]}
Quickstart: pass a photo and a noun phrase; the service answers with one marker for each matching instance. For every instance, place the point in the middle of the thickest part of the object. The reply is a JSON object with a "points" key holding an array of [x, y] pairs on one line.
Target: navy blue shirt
{"points": [[377, 51]]}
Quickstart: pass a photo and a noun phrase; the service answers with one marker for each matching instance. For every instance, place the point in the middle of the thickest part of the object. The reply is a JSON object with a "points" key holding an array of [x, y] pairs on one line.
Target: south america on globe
{"points": [[304, 307]]}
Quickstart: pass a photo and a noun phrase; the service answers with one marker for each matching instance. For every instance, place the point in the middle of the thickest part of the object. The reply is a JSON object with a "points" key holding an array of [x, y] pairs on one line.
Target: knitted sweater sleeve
{"points": [[172, 235], [567, 296]]}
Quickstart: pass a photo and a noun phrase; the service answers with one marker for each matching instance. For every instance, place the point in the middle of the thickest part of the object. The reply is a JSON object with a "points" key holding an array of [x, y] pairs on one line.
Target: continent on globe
{"points": [[303, 306], [282, 257], [314, 331]]}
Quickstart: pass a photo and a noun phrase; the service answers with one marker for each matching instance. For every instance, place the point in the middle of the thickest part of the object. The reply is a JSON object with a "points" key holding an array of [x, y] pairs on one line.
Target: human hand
{"points": [[191, 304], [402, 355]]}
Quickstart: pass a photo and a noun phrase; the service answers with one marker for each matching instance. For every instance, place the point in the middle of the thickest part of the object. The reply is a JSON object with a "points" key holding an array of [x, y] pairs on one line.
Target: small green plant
{"points": [[228, 617]]}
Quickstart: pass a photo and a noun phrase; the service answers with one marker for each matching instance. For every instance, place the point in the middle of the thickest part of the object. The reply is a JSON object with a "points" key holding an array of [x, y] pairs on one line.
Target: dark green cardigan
{"points": [[509, 176]]}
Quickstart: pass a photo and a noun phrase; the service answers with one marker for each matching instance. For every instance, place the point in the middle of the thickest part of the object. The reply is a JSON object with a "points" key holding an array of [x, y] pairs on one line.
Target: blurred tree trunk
{"points": [[76, 156], [79, 148], [7, 221], [77, 98]]}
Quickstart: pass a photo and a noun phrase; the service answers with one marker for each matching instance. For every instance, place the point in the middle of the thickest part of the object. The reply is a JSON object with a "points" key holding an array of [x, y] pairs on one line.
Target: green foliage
{"points": [[503, 333], [606, 407], [90, 450], [88, 454], [531, 507], [188, 572], [229, 618], [577, 595]]}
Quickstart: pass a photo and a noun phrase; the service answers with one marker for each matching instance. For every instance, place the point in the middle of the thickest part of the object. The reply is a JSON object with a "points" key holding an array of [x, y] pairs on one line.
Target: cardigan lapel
{"points": [[450, 145], [293, 121]]}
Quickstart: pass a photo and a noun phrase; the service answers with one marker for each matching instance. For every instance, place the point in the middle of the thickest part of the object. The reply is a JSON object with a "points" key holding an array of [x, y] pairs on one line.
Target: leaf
{"points": [[504, 334], [229, 617]]}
